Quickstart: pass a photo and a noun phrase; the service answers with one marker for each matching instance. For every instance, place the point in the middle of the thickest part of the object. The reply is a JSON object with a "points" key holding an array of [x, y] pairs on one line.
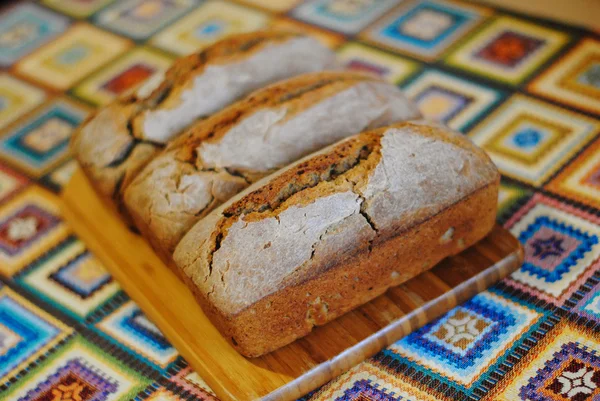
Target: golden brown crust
{"points": [[184, 69], [281, 311], [126, 145], [297, 93], [323, 167], [363, 148], [352, 161], [185, 169], [291, 313]]}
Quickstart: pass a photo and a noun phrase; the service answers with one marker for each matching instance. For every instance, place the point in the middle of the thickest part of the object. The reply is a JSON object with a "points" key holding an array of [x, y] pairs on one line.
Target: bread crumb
{"points": [[447, 237]]}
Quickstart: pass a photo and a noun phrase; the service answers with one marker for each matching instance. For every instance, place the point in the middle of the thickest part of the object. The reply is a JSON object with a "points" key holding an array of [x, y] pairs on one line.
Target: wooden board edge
{"points": [[396, 330], [72, 210]]}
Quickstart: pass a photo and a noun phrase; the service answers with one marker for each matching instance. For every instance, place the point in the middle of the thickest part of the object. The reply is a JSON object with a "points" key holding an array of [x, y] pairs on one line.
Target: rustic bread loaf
{"points": [[274, 126], [335, 230], [115, 143]]}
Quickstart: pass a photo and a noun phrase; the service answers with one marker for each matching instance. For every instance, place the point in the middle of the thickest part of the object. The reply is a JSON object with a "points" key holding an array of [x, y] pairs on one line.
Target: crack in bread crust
{"points": [[252, 138], [322, 169], [315, 84], [182, 69], [321, 220], [117, 142], [348, 155], [349, 167]]}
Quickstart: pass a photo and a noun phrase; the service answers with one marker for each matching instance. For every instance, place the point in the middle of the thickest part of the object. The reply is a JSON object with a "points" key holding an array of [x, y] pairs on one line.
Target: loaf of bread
{"points": [[335, 230], [121, 138], [269, 129]]}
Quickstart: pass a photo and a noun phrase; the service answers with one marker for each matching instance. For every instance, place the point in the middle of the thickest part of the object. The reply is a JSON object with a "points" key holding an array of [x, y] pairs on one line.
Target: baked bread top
{"points": [[267, 130], [234, 65], [289, 226], [118, 140]]}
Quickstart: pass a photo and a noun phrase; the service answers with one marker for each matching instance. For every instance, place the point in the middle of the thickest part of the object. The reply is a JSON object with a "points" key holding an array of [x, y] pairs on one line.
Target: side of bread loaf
{"points": [[120, 139], [269, 129], [336, 229]]}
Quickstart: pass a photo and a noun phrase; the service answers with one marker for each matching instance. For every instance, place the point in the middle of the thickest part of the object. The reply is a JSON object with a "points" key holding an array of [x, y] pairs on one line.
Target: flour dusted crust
{"points": [[269, 129], [120, 139], [336, 229]]}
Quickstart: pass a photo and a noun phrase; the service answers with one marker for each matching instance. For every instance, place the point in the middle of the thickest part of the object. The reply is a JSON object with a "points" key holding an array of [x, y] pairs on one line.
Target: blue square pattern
{"points": [[527, 137], [461, 345], [137, 324], [552, 255], [129, 327], [68, 276], [56, 122], [397, 31], [425, 29], [347, 16], [22, 333], [498, 321], [25, 28]]}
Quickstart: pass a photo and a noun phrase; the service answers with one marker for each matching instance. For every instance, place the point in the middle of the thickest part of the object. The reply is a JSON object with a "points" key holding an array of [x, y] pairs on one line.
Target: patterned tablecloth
{"points": [[527, 91]]}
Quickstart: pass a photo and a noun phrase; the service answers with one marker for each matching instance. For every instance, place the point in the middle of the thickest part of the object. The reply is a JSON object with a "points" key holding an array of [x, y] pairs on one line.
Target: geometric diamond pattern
{"points": [[449, 99], [371, 382], [508, 49], [123, 75], [210, 21], [462, 344], [17, 98], [561, 249], [589, 305], [41, 142], [26, 332], [77, 8], [344, 16], [79, 371], [29, 226], [75, 54], [11, 182], [327, 38], [425, 29], [482, 66], [580, 180], [529, 140], [563, 366], [26, 27], [575, 78], [190, 381], [358, 57], [139, 19], [130, 327], [70, 278]]}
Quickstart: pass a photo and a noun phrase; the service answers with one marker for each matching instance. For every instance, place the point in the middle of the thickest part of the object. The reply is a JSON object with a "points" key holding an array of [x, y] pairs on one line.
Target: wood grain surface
{"points": [[306, 364]]}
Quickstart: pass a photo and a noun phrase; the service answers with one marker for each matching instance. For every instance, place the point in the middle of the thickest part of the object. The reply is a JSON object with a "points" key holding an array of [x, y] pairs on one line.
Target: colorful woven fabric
{"points": [[526, 90]]}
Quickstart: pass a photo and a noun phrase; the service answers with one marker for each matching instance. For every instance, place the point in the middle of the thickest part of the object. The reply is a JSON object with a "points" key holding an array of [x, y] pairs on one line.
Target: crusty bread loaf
{"points": [[121, 138], [336, 229], [272, 127]]}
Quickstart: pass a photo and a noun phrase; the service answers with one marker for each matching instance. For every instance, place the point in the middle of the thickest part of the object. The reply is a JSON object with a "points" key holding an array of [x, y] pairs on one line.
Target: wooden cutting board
{"points": [[306, 364]]}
